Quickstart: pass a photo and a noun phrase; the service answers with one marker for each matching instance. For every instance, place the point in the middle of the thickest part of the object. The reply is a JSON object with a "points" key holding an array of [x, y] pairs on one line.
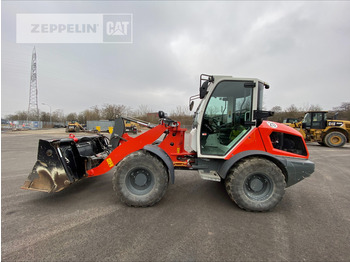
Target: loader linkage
{"points": [[62, 162]]}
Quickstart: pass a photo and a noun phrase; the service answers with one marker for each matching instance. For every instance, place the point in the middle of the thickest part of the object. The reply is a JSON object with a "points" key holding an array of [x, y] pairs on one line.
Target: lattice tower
{"points": [[33, 108]]}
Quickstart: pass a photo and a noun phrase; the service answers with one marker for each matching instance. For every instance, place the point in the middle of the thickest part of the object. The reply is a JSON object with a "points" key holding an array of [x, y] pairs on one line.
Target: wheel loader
{"points": [[315, 127], [131, 126], [74, 126], [230, 142]]}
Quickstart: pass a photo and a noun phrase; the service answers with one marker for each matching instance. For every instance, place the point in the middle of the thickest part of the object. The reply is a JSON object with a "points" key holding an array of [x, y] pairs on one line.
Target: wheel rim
{"points": [[140, 181], [258, 186], [335, 140]]}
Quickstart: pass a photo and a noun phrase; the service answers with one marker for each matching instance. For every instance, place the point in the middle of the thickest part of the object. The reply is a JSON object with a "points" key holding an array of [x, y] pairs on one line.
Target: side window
{"points": [[317, 120], [226, 113]]}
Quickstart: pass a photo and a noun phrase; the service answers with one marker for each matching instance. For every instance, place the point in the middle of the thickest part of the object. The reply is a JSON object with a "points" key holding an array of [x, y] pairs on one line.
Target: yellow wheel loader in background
{"points": [[74, 126], [131, 126], [315, 127]]}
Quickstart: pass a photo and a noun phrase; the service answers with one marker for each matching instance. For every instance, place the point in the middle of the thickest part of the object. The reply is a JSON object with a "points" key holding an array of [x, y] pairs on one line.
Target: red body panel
{"points": [[267, 127], [252, 141], [259, 139], [174, 146]]}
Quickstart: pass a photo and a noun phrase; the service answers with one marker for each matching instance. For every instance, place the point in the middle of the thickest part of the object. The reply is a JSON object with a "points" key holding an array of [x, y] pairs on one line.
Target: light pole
{"points": [[50, 111]]}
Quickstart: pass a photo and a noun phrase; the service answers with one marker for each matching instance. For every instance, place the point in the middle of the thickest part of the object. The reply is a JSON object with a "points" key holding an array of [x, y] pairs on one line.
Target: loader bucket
{"points": [[65, 161]]}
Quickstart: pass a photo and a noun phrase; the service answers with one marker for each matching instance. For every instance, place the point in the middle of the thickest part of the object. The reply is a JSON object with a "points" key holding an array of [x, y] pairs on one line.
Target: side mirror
{"points": [[191, 105], [203, 90], [260, 114], [161, 114]]}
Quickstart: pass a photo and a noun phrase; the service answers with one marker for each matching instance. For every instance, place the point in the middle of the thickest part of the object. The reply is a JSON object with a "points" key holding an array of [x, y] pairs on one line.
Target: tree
{"points": [[314, 108], [72, 116], [58, 116], [182, 114], [276, 109], [142, 111], [19, 115], [343, 111], [81, 118], [94, 113], [110, 112], [45, 117], [345, 106]]}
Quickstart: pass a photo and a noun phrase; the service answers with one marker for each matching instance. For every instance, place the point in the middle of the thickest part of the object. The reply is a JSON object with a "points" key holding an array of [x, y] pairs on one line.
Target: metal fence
{"points": [[103, 124], [22, 124]]}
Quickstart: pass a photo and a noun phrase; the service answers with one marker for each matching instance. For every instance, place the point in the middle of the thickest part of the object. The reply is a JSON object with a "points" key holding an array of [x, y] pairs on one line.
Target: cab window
{"points": [[225, 118]]}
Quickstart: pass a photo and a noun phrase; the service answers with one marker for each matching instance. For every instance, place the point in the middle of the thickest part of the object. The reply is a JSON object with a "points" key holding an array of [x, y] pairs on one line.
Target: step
{"points": [[211, 175]]}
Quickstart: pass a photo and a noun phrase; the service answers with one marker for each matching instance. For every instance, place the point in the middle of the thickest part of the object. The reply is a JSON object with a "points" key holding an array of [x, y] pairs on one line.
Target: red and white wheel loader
{"points": [[230, 141]]}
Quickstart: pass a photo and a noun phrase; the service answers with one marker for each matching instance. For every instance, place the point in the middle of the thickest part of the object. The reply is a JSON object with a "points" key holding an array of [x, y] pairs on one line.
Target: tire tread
{"points": [[128, 198]]}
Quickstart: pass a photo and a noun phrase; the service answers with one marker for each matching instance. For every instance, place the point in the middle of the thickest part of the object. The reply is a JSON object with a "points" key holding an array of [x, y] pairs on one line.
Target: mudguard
{"points": [[294, 169], [164, 157]]}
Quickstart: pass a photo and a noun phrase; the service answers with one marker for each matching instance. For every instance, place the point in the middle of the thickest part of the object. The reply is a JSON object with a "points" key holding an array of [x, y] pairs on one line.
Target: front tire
{"points": [[140, 180], [256, 184], [335, 139]]}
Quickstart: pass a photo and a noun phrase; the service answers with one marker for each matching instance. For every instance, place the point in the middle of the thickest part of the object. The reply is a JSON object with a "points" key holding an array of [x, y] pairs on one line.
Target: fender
{"points": [[224, 169], [294, 169], [164, 157]]}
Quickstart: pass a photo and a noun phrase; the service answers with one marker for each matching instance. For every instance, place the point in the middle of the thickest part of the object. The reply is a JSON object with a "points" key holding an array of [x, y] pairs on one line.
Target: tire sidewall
{"points": [[236, 184], [140, 160], [329, 136]]}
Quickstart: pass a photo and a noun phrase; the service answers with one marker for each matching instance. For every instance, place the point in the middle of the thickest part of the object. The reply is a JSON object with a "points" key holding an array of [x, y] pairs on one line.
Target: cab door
{"points": [[315, 120], [227, 116]]}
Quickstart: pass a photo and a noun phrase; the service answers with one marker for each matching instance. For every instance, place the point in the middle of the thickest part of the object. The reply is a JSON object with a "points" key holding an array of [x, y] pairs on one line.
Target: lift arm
{"points": [[126, 148]]}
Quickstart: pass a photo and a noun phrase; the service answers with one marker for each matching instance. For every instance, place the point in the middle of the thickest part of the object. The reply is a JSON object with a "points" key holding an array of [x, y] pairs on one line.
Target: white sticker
{"points": [[271, 124]]}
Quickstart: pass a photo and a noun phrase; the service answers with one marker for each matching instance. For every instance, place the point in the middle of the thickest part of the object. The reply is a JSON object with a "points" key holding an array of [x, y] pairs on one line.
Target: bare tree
{"points": [[343, 111], [72, 116], [111, 111], [45, 117], [182, 114], [314, 108], [58, 116], [276, 109], [142, 111]]}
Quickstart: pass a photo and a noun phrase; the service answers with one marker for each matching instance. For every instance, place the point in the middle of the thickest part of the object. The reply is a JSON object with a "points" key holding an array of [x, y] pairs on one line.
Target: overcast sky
{"points": [[302, 49]]}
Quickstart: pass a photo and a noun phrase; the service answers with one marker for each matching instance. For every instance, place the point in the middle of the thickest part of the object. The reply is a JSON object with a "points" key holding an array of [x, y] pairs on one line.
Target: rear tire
{"points": [[256, 184], [140, 179], [335, 139]]}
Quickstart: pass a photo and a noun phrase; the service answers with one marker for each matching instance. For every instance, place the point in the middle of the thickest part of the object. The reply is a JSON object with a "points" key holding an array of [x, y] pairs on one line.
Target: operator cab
{"points": [[315, 120], [229, 110]]}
